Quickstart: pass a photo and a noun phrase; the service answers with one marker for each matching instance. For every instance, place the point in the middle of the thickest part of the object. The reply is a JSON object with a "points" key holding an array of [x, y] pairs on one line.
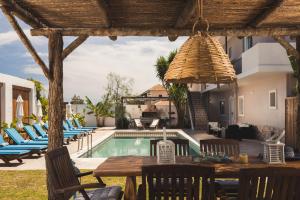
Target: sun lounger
{"points": [[38, 149], [138, 124], [8, 155], [66, 133], [33, 136], [18, 139], [71, 127], [154, 124], [77, 123], [30, 132], [78, 132], [38, 128]]}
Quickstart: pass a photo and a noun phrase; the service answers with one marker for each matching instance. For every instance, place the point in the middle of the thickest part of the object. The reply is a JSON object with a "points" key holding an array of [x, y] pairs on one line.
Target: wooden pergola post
{"points": [[298, 93], [55, 112]]}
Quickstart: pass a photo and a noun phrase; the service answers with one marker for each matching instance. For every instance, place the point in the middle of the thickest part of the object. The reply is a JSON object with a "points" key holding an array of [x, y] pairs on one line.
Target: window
{"points": [[241, 106], [272, 99], [247, 43], [222, 107]]}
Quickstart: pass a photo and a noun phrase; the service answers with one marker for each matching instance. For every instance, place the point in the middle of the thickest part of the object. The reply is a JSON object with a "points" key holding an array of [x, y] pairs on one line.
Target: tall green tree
{"points": [[176, 91], [118, 87]]}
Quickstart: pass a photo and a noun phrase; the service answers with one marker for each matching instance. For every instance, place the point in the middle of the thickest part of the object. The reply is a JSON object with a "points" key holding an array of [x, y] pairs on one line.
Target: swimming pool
{"points": [[123, 144]]}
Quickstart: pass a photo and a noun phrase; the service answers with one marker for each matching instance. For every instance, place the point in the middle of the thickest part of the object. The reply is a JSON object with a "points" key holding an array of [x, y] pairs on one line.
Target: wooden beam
{"points": [[73, 45], [264, 15], [172, 38], [113, 38], [105, 16], [186, 15], [291, 51], [25, 40], [23, 14], [166, 32], [104, 12]]}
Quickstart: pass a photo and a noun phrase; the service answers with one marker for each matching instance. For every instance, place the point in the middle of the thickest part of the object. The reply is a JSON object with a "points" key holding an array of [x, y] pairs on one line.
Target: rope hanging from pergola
{"points": [[201, 59]]}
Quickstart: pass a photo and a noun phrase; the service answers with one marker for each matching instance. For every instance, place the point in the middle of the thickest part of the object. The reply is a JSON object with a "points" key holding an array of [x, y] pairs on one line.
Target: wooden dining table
{"points": [[131, 167]]}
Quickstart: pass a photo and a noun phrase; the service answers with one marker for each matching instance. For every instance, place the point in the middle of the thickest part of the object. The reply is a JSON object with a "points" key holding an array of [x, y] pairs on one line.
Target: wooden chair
{"points": [[228, 146], [224, 188], [272, 183], [182, 147], [65, 183], [177, 181]]}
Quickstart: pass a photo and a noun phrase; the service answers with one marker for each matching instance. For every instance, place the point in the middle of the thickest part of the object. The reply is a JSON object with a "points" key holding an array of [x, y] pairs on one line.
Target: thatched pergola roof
{"points": [[157, 17]]}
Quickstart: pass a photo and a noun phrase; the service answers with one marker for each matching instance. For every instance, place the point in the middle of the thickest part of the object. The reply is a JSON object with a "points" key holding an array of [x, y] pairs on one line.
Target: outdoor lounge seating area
{"points": [[37, 142]]}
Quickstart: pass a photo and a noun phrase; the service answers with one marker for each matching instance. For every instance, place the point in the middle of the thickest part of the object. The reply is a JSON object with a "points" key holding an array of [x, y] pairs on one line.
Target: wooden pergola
{"points": [[172, 18]]}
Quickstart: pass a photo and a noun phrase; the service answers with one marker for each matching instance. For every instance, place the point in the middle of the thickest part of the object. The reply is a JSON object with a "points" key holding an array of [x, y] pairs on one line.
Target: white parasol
{"points": [[39, 112], [69, 111], [19, 112]]}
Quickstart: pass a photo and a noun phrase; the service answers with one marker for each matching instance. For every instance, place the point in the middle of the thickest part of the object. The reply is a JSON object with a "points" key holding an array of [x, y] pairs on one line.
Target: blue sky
{"points": [[85, 70]]}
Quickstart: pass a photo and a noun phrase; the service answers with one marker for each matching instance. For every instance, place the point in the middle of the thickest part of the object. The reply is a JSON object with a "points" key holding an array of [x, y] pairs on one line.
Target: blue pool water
{"points": [[122, 146]]}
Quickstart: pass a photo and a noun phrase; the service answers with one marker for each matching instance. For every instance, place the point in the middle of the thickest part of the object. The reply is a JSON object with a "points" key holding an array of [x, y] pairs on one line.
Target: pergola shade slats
{"points": [[167, 14]]}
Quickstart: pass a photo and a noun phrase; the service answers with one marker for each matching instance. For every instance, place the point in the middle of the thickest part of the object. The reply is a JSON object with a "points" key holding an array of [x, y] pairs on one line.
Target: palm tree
{"points": [[100, 110], [176, 91]]}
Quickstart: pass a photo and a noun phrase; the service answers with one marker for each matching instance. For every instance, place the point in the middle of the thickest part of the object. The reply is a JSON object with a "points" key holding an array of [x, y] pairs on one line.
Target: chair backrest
{"points": [[154, 123], [46, 126], [213, 124], [177, 181], [61, 171], [2, 139], [29, 130], [228, 146], [276, 137], [182, 147], [40, 130], [65, 126], [69, 123], [138, 122], [14, 135], [77, 123], [274, 183]]}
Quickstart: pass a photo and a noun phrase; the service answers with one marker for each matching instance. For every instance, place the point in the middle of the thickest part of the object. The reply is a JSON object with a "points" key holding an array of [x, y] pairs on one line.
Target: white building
{"points": [[10, 88], [264, 81]]}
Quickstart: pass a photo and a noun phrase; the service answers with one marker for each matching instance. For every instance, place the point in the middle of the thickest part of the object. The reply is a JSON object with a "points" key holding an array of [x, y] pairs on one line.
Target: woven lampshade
{"points": [[201, 59]]}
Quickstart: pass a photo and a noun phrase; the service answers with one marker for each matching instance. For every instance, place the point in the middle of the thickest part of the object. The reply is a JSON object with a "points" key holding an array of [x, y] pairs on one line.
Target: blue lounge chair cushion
{"points": [[13, 152], [29, 130], [24, 147], [40, 130], [79, 125], [4, 144], [73, 128], [18, 139]]}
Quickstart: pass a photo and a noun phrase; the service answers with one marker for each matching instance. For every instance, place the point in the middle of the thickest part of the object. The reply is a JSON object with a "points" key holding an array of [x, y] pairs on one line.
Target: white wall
{"points": [[91, 119], [256, 101], [7, 95], [265, 57]]}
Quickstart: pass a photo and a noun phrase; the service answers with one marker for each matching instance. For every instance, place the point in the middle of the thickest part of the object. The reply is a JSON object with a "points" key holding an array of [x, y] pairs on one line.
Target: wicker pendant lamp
{"points": [[201, 59]]}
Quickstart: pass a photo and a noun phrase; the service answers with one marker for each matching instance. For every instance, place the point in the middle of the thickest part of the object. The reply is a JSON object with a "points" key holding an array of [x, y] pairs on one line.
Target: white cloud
{"points": [[35, 70], [86, 69], [11, 37]]}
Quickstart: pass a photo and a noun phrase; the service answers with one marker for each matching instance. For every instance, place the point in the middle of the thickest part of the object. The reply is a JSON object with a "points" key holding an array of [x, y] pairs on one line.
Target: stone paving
{"points": [[252, 147]]}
